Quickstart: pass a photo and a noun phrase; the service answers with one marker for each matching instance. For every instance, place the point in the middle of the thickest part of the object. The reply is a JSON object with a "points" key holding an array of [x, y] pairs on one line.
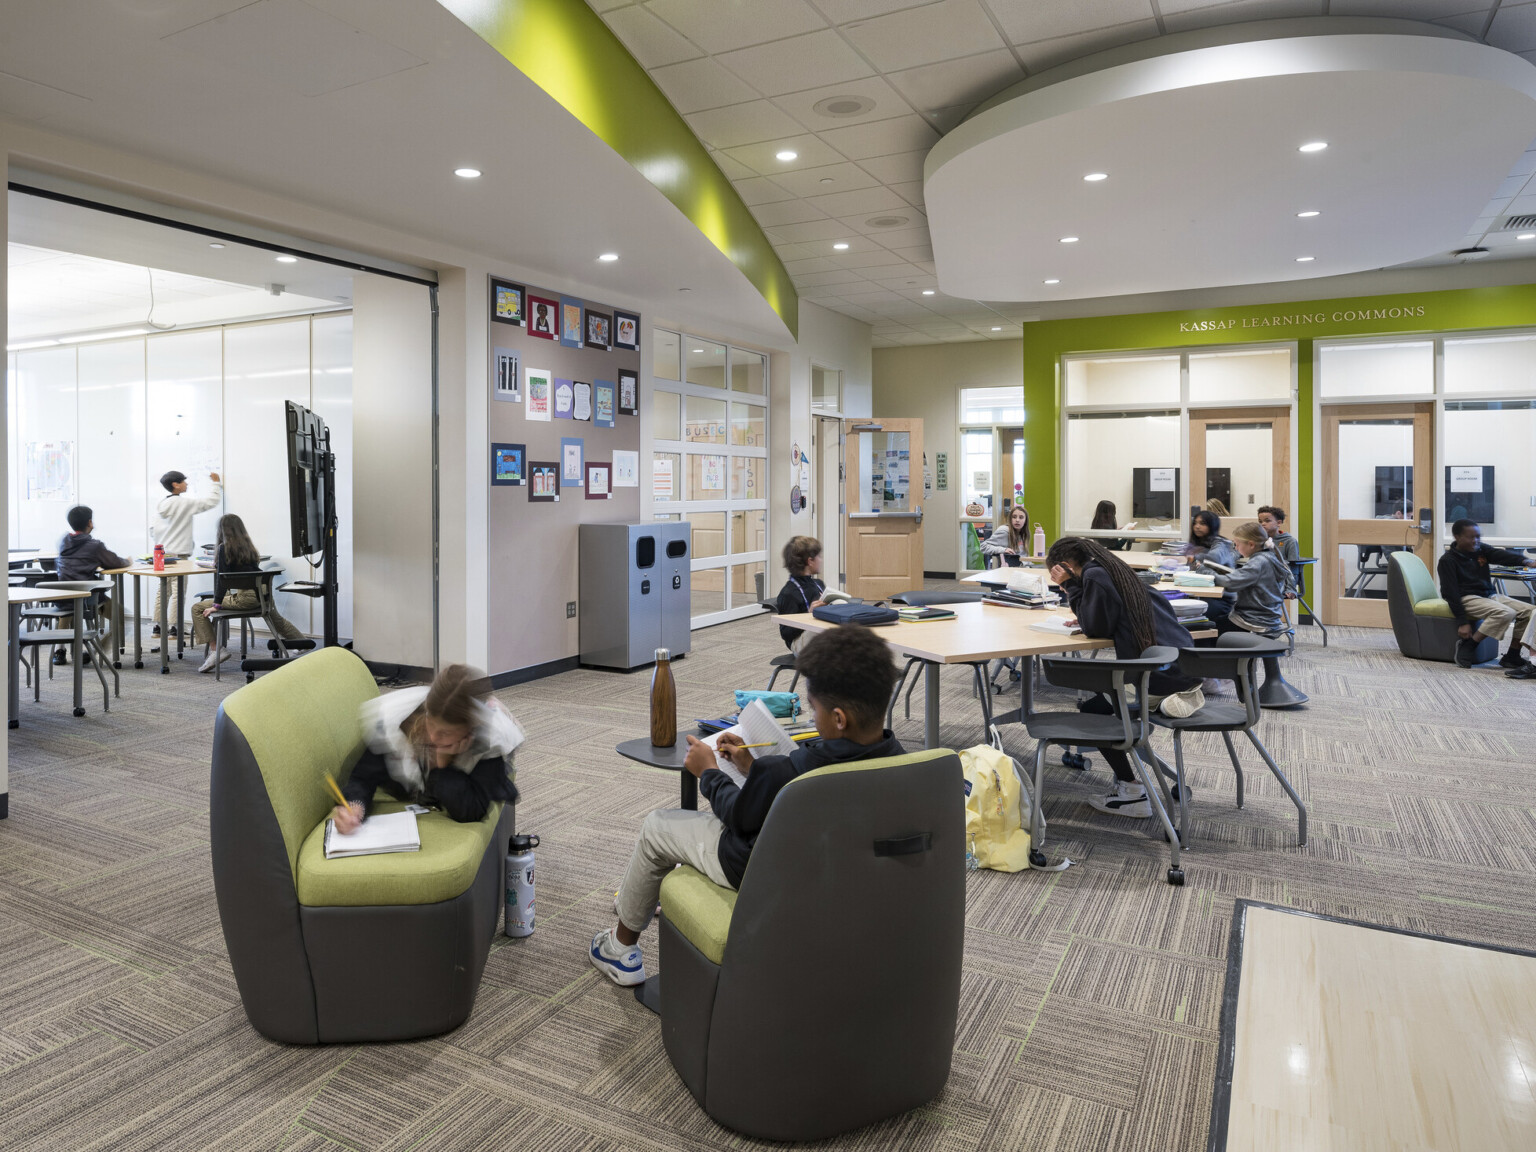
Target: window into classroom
{"points": [[992, 405], [826, 389], [709, 465]]}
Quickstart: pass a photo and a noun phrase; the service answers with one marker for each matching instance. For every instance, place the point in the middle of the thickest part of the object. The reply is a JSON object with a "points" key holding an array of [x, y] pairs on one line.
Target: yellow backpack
{"points": [[994, 833]]}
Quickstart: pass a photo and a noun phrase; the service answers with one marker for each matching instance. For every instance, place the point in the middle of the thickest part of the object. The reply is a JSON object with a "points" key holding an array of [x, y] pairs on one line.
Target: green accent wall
{"points": [[567, 50], [1419, 313]]}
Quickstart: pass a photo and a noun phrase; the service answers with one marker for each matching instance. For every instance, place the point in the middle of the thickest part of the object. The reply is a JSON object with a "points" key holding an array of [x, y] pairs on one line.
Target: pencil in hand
{"points": [[764, 744], [335, 789]]}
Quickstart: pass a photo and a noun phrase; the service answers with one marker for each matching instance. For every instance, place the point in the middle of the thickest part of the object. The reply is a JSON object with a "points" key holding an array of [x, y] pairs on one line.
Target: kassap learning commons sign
{"points": [[1302, 319]]}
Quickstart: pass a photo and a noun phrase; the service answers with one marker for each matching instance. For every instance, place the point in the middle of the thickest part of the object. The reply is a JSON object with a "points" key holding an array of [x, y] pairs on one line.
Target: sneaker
{"points": [[224, 654], [1466, 652], [1511, 660], [209, 661], [624, 966], [1526, 671], [60, 656], [1128, 799]]}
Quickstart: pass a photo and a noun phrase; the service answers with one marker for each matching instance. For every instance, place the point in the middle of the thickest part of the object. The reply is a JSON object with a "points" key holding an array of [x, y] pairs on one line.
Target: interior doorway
{"points": [[827, 497], [883, 463], [1241, 458]]}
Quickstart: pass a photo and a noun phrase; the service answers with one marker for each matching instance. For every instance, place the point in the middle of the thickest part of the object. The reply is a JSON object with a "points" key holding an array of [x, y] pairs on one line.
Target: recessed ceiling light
{"points": [[1526, 236], [997, 329], [698, 349], [1053, 281], [1314, 146], [787, 154], [608, 257], [927, 291], [466, 173], [1307, 215], [215, 245], [840, 247], [1305, 259], [1069, 239], [826, 180], [685, 289], [287, 259], [1095, 177]]}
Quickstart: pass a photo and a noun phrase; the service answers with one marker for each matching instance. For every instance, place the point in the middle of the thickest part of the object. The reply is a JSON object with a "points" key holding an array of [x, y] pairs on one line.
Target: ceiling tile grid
{"points": [[859, 91]]}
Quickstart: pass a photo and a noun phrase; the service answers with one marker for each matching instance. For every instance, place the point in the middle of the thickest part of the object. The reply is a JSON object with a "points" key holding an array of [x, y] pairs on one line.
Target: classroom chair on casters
{"points": [[777, 1048], [92, 642], [369, 948], [258, 581], [785, 661], [1234, 658], [1121, 731]]}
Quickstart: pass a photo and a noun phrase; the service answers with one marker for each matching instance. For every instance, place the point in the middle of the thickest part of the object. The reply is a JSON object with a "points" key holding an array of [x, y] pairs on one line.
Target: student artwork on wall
{"points": [[543, 481], [582, 405], [626, 468], [712, 473], [603, 415], [570, 322], [599, 481], [506, 302], [571, 461], [507, 464], [626, 331], [540, 386], [629, 392], [543, 317], [505, 383], [599, 330], [565, 398]]}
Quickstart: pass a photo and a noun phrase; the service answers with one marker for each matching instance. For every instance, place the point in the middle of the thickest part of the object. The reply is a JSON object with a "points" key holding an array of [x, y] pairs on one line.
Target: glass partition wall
{"points": [[991, 464], [709, 465]]}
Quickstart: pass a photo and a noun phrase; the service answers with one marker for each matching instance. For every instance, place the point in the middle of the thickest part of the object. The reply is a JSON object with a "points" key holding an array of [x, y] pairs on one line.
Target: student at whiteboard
{"points": [[172, 527]]}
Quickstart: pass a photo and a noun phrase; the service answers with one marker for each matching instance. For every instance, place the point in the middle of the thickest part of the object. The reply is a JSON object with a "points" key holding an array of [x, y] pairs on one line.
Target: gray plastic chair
{"points": [[91, 643], [921, 598]]}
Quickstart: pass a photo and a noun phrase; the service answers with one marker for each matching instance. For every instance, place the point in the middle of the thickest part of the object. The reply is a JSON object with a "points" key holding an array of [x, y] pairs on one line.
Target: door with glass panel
{"points": [[1376, 461], [1239, 460], [826, 496], [884, 493]]}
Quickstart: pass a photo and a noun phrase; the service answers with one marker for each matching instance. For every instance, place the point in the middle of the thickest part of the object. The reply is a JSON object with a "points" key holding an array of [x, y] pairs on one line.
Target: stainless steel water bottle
{"points": [[520, 885]]}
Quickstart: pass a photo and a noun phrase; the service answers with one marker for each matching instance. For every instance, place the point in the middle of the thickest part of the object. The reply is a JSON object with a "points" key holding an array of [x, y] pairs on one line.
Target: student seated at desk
{"points": [[447, 746], [82, 556], [849, 679], [172, 528], [1009, 541], [1207, 543], [802, 591], [235, 553], [1105, 517], [1262, 583], [1468, 589], [1272, 520], [1111, 603]]}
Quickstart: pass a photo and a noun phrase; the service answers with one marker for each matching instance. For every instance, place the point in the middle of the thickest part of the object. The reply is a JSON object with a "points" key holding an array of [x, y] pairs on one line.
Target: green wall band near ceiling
{"points": [[567, 50], [1417, 313]]}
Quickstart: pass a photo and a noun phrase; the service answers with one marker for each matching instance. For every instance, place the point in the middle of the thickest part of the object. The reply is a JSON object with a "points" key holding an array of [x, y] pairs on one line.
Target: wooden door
{"points": [[1254, 432], [883, 462], [1375, 456], [1007, 475]]}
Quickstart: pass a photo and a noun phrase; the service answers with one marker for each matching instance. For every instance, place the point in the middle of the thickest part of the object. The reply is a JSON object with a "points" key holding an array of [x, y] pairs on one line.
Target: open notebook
{"points": [[390, 832], [1057, 625], [755, 725]]}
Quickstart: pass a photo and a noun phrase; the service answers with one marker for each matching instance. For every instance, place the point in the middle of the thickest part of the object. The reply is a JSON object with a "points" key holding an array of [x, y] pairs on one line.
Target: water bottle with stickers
{"points": [[519, 920]]}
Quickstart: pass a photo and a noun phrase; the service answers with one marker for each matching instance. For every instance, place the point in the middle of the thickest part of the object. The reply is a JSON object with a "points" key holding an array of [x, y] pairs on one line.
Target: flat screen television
{"points": [[1154, 502], [1469, 493], [307, 437]]}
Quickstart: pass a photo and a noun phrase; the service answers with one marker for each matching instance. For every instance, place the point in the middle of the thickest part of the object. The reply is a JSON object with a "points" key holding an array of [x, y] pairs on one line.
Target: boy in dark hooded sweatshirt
{"points": [[82, 556]]}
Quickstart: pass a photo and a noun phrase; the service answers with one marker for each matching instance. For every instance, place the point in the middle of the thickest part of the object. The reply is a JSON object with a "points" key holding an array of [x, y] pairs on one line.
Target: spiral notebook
{"points": [[389, 832], [755, 725]]}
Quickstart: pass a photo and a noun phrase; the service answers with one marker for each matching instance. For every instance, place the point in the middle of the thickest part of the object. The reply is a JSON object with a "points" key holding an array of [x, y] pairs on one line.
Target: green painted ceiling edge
{"points": [[567, 50], [1046, 341]]}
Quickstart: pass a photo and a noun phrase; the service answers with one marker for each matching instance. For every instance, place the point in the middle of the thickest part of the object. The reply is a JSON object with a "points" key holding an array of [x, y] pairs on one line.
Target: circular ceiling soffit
{"points": [[843, 106], [1421, 128]]}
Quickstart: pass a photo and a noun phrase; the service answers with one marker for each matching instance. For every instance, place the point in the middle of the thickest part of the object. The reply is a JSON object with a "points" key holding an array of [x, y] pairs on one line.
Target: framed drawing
{"points": [[506, 302], [543, 317], [582, 405], [626, 468], [599, 480], [626, 331], [540, 386], [603, 415], [543, 481], [505, 383], [599, 330], [629, 392], [570, 322], [565, 398], [507, 464], [571, 460]]}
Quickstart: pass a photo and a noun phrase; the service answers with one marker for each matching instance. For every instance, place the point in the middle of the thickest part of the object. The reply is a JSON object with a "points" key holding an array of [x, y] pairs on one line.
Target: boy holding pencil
{"points": [[849, 678]]}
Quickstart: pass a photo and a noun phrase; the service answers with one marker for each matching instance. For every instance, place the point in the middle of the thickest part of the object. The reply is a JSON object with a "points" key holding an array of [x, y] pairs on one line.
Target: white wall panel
{"points": [[184, 415], [331, 395], [45, 390], [13, 456], [111, 451]]}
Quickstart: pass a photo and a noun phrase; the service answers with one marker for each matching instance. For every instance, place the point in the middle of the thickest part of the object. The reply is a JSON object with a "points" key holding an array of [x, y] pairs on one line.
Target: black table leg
{"points": [[12, 693], [138, 624], [690, 791], [77, 650]]}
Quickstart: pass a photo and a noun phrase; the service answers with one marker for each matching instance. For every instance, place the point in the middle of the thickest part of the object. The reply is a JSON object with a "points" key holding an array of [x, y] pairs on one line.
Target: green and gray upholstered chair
{"points": [[1421, 619], [384, 947], [823, 996]]}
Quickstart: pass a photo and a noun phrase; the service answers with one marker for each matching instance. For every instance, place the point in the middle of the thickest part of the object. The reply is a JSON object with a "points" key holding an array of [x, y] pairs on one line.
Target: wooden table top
{"points": [[180, 568], [1142, 561], [978, 632], [42, 595]]}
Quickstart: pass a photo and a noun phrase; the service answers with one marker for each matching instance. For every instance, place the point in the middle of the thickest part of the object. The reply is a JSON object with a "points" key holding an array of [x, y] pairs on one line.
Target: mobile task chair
{"points": [[785, 661]]}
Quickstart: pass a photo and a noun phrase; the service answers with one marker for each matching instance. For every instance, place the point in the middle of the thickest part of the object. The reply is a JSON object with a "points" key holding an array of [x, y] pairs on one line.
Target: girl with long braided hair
{"points": [[1111, 603]]}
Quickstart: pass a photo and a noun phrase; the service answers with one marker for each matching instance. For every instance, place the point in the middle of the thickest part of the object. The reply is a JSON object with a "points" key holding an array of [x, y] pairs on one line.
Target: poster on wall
{"points": [[543, 481], [599, 480], [599, 330], [712, 473], [626, 331], [570, 322], [564, 398], [582, 405], [51, 470], [505, 382], [603, 413], [571, 462], [629, 392], [507, 464], [661, 478], [941, 471], [506, 302], [626, 469], [540, 384], [543, 317]]}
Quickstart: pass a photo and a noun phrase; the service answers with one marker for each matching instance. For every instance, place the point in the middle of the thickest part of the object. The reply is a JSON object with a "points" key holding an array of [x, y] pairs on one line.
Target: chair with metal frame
{"points": [[258, 581], [92, 642], [1299, 574], [785, 661], [922, 598]]}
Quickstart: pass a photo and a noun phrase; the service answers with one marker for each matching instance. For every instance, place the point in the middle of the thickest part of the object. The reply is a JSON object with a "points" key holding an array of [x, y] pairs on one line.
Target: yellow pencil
{"points": [[335, 791], [764, 744]]}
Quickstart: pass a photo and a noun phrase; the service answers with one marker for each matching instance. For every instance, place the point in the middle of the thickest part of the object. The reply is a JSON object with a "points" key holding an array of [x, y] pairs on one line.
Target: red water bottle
{"points": [[159, 558]]}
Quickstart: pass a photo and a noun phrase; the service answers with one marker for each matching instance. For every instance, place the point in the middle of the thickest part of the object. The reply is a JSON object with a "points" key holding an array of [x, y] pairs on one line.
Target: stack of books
{"points": [[913, 613], [1013, 599]]}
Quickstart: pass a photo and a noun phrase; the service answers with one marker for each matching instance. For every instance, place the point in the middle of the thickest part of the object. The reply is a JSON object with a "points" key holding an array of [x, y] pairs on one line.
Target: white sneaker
{"points": [[209, 661], [224, 654], [1128, 799], [623, 965]]}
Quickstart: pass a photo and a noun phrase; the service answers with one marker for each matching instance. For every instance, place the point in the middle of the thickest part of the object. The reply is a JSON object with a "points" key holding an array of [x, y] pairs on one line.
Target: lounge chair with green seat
{"points": [[1421, 619], [387, 947], [823, 995]]}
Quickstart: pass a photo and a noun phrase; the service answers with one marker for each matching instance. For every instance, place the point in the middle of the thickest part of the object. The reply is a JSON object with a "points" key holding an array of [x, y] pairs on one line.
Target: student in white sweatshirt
{"points": [[173, 528]]}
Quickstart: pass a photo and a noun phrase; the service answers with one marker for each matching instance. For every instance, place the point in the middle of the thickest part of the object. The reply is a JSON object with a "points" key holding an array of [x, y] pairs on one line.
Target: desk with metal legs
{"points": [[23, 596], [179, 572]]}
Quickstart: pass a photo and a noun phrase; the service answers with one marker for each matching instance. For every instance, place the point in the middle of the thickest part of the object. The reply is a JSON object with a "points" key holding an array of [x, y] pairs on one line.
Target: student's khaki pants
{"points": [[668, 837], [173, 610], [1497, 613], [240, 600]]}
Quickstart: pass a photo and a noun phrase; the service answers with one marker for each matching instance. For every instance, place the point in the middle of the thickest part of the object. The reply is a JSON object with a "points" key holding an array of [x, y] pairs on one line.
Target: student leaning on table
{"points": [[172, 527], [1262, 582]]}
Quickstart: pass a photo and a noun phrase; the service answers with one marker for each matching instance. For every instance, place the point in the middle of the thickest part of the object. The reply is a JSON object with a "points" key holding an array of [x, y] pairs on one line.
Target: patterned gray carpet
{"points": [[1090, 1000]]}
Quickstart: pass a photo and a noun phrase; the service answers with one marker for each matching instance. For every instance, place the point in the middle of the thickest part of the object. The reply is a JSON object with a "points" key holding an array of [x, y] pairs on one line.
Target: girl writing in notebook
{"points": [[449, 746]]}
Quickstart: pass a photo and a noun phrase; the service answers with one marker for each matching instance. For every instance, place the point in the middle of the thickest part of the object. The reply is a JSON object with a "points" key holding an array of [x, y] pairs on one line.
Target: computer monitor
{"points": [[307, 438]]}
